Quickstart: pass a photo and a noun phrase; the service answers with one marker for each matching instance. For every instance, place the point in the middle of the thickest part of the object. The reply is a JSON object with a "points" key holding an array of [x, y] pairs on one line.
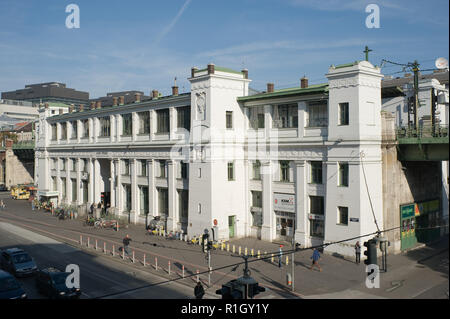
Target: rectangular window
{"points": [[126, 167], [257, 170], [343, 114], [163, 201], [63, 131], [256, 199], [231, 171], [127, 124], [54, 132], [143, 167], [284, 171], [229, 119], [85, 191], [257, 117], [316, 172], [343, 174], [73, 164], [55, 187], [143, 200], [144, 122], [285, 116], [74, 130], [64, 187], [184, 170], [316, 205], [105, 126], [85, 132], [63, 164], [317, 228], [317, 115], [342, 215], [183, 204], [162, 169], [127, 197], [184, 117], [74, 189], [162, 118]]}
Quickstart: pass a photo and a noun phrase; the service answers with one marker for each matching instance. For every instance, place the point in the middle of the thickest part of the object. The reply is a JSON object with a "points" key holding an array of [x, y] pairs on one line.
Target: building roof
{"points": [[312, 89], [442, 77]]}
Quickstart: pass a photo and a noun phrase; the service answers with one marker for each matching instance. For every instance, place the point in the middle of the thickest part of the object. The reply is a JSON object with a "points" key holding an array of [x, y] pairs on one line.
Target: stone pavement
{"points": [[340, 277]]}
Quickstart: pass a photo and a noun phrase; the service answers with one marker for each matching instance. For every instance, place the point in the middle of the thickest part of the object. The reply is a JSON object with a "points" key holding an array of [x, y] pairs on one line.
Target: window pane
{"points": [[229, 119]]}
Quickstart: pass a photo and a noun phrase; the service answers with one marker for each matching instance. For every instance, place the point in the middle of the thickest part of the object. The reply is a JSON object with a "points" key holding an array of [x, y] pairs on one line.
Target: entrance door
{"points": [[231, 224]]}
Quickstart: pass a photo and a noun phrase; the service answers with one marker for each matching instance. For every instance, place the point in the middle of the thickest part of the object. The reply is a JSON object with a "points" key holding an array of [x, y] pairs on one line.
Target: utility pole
{"points": [[415, 68], [293, 261]]}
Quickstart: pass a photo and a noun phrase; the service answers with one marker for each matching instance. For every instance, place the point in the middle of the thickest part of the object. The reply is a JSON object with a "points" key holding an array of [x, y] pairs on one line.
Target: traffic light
{"points": [[205, 242], [225, 291], [231, 290], [371, 252], [210, 246], [255, 289]]}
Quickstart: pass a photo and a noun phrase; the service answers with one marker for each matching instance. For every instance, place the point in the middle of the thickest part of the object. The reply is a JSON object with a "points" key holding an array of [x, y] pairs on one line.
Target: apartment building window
{"points": [[317, 115], [126, 167], [105, 126], [63, 164], [183, 196], [184, 117], [127, 125], [317, 220], [162, 169], [142, 167], [73, 164], [284, 171], [64, 187], [257, 117], [257, 199], [163, 201], [184, 170], [343, 114], [285, 116], [342, 215], [53, 163], [83, 164], [256, 209], [74, 189], [54, 132], [231, 171], [143, 200], [316, 172], [127, 197], [162, 119], [54, 185], [343, 174], [63, 131], [74, 134], [229, 119], [85, 132], [257, 170], [144, 122]]}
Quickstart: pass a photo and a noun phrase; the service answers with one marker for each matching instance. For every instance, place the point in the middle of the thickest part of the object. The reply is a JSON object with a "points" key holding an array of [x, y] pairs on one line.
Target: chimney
{"points": [[121, 100], [115, 99], [71, 108], [193, 70], [81, 107], [270, 87], [137, 97], [245, 72], [211, 68], [174, 90], [92, 105], [304, 82], [99, 104], [154, 94]]}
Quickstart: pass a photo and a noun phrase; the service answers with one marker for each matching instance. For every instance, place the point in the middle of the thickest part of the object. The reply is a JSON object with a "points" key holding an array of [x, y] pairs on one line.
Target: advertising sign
{"points": [[284, 202]]}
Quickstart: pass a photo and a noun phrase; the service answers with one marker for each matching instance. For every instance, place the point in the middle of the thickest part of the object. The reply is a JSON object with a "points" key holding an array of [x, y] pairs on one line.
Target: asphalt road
{"points": [[99, 275]]}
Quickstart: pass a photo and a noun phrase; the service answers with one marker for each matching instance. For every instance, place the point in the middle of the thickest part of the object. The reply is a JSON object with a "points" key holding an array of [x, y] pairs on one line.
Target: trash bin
{"points": [[288, 279]]}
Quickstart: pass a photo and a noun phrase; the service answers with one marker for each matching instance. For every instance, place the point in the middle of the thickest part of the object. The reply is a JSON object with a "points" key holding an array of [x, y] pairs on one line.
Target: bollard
{"points": [[252, 252], [113, 251], [81, 240], [144, 260], [123, 253], [182, 271], [104, 248], [228, 247], [245, 250], [259, 254], [271, 259], [240, 250], [88, 242], [234, 249], [117, 226], [287, 260], [198, 278], [169, 267], [222, 246], [96, 245], [156, 263], [133, 256]]}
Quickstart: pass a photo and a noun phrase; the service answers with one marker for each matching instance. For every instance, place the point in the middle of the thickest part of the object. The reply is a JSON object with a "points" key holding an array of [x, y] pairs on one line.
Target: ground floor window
{"points": [[342, 215], [55, 187], [143, 200], [257, 218], [183, 204], [163, 201], [127, 197], [74, 190], [317, 228], [285, 224], [63, 182], [85, 191]]}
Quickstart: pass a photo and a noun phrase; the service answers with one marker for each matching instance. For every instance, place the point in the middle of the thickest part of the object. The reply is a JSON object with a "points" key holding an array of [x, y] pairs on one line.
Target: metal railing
{"points": [[437, 130]]}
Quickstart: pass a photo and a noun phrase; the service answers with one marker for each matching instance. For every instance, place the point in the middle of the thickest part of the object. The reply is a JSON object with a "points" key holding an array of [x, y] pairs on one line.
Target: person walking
{"points": [[199, 292], [2, 204], [280, 255], [32, 204], [126, 243], [358, 252], [92, 209], [315, 259]]}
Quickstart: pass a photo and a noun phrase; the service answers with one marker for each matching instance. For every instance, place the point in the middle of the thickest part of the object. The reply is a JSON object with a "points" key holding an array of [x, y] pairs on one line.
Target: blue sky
{"points": [[143, 45]]}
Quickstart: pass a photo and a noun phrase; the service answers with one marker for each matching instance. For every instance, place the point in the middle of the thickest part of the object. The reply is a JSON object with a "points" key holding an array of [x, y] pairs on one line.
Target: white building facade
{"points": [[302, 162]]}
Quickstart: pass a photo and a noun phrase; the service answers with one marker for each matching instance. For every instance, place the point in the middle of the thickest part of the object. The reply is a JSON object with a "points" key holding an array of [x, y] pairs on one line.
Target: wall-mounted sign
{"points": [[284, 202], [356, 220], [316, 217]]}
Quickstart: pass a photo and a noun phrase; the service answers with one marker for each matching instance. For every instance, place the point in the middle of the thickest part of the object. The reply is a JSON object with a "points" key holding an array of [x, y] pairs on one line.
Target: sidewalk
{"points": [[340, 278]]}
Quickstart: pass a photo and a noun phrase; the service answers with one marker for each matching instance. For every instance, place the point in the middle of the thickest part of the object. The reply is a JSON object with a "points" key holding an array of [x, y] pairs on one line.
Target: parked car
{"points": [[10, 288], [51, 282], [18, 262]]}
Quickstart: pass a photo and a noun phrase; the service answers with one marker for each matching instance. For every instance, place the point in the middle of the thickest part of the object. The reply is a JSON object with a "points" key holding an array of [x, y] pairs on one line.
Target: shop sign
{"points": [[284, 202], [316, 217]]}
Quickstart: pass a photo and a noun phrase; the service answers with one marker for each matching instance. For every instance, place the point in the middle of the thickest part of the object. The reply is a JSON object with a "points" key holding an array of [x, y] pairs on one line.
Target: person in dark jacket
{"points": [[358, 252], [199, 291], [126, 243]]}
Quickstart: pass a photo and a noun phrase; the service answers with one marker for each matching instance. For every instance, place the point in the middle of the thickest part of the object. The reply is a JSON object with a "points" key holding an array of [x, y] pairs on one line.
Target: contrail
{"points": [[172, 24]]}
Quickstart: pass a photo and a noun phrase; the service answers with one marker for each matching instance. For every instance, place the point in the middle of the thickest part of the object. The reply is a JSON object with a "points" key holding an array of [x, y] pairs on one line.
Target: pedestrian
{"points": [[358, 252], [126, 243], [315, 259], [199, 292], [2, 204], [32, 204], [92, 209], [280, 255]]}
